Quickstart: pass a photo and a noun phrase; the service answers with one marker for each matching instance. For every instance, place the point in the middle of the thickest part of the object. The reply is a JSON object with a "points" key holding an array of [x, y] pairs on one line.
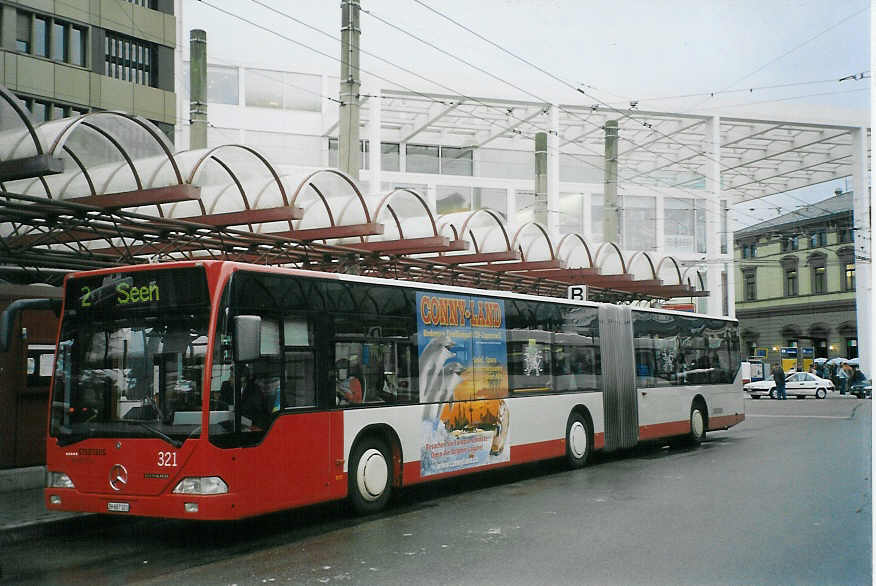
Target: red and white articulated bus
{"points": [[221, 390]]}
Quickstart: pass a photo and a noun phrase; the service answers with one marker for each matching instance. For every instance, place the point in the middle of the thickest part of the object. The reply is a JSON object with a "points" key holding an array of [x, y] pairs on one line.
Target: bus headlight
{"points": [[58, 480], [201, 485]]}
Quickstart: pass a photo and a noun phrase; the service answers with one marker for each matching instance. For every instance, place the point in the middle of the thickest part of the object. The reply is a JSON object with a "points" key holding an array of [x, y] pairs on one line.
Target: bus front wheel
{"points": [[697, 423], [370, 476], [579, 440]]}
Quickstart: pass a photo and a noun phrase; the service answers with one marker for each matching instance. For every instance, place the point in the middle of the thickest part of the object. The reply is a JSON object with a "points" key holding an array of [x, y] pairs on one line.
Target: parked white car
{"points": [[798, 384]]}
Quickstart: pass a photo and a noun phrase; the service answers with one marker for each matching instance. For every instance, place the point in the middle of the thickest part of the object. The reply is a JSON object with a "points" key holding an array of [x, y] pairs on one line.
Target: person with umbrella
{"points": [[853, 375]]}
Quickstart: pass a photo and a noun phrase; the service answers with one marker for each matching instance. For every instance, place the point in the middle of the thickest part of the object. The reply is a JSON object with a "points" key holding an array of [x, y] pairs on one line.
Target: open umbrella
{"points": [[836, 360], [820, 360], [856, 362]]}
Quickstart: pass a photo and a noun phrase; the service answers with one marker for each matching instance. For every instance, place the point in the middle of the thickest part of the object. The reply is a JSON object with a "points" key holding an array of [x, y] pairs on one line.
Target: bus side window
{"points": [[299, 360]]}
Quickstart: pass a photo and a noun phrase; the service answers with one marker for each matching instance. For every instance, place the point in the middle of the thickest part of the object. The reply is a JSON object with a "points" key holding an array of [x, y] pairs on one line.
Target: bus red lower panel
{"points": [[725, 421], [210, 508]]}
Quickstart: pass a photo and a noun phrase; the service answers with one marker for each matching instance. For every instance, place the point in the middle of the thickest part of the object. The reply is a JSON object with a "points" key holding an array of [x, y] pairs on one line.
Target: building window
{"points": [[745, 251], [48, 37], [639, 221], [334, 161], [819, 280], [222, 85], [679, 225], [23, 32], [283, 90], [144, 3], [791, 282], [390, 159], [42, 110], [422, 158], [849, 277], [60, 32], [847, 262], [40, 36], [790, 243], [851, 348], [130, 59], [818, 263], [846, 235], [754, 251], [77, 46], [749, 286], [818, 239], [456, 161]]}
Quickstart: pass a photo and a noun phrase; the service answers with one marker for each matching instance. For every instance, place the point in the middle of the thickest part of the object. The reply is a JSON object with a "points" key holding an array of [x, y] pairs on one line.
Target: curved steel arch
{"points": [[674, 263], [607, 246], [210, 154], [160, 139], [699, 278], [582, 241], [493, 214], [384, 202], [343, 176], [10, 98], [515, 241], [643, 253]]}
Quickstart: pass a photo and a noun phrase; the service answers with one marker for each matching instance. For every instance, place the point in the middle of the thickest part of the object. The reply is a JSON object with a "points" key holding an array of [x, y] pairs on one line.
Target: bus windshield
{"points": [[131, 368]]}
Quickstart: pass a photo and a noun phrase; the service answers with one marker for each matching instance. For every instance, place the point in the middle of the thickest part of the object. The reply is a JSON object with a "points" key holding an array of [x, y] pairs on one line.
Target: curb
{"points": [[26, 530]]}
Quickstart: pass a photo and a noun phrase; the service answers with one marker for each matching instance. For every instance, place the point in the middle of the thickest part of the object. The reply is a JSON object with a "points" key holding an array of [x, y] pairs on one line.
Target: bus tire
{"points": [[579, 440], [370, 476], [697, 423]]}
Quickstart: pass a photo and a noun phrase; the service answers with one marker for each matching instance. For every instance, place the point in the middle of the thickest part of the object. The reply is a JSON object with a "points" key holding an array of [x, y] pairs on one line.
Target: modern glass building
{"points": [[68, 58]]}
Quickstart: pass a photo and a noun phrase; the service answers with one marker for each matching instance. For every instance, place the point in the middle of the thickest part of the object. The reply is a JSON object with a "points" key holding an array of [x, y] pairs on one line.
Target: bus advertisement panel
{"points": [[462, 358]]}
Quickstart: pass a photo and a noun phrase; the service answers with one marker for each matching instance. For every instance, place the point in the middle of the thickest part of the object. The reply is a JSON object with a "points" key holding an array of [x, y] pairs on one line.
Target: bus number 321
{"points": [[166, 459]]}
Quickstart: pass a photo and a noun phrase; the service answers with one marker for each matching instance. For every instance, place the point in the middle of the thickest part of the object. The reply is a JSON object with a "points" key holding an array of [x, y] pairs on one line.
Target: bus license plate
{"points": [[118, 507]]}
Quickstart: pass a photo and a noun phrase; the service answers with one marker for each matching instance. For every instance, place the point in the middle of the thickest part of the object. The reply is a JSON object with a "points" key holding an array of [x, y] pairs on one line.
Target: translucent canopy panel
{"points": [[669, 271], [404, 214], [17, 137], [694, 278], [575, 251], [609, 259], [533, 241], [483, 228], [324, 183], [642, 266], [109, 140]]}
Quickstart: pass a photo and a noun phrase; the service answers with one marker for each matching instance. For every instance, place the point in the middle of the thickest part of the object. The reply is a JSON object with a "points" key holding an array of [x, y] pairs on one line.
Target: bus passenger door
{"points": [[618, 377]]}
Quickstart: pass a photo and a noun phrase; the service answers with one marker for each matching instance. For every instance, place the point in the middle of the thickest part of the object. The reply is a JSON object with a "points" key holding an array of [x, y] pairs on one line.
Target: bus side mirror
{"points": [[247, 338]]}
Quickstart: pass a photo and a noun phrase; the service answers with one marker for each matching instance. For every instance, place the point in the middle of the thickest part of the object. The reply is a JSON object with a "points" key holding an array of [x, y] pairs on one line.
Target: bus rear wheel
{"points": [[579, 440], [370, 476]]}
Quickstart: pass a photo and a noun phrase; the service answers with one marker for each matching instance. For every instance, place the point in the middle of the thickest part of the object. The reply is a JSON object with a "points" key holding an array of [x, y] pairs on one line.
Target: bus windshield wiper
{"points": [[159, 433]]}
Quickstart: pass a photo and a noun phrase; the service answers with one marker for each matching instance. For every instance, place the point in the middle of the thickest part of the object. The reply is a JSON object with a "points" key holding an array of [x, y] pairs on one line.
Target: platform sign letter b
{"points": [[577, 292]]}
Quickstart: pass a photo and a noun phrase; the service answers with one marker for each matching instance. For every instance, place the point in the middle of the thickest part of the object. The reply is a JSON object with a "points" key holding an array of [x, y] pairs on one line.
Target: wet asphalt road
{"points": [[784, 498]]}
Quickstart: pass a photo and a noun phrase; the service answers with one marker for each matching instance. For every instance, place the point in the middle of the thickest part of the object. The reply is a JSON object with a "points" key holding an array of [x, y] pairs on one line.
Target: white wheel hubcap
{"points": [[578, 440], [371, 474], [696, 423]]}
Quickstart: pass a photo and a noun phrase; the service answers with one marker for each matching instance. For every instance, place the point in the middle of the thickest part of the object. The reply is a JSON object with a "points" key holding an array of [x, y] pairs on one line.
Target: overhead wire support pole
{"points": [[348, 127]]}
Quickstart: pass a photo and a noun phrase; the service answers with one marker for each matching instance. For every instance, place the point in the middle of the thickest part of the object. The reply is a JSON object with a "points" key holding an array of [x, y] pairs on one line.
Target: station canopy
{"points": [[106, 189]]}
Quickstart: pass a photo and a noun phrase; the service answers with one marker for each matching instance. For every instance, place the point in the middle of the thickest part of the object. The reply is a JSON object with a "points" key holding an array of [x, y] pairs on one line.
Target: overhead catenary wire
{"points": [[429, 98], [620, 112]]}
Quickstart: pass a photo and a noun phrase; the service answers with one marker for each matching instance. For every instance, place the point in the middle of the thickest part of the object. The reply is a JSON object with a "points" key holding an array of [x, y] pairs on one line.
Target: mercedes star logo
{"points": [[118, 477]]}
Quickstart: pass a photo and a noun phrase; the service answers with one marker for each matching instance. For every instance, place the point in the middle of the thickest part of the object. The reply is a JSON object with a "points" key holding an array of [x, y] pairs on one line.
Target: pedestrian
{"points": [[779, 378], [853, 377], [842, 379]]}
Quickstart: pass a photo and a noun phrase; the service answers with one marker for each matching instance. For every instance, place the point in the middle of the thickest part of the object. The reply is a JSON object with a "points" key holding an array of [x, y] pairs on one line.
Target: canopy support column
{"points": [[863, 249]]}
